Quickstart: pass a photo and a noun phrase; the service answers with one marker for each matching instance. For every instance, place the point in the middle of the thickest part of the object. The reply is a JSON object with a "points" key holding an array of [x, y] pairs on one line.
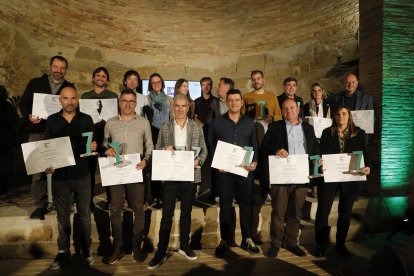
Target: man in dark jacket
{"points": [[52, 83], [287, 137], [290, 85]]}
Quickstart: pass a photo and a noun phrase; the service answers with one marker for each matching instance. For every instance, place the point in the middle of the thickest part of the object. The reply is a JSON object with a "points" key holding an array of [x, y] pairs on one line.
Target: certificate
{"points": [[293, 169], [169, 166], [319, 124], [40, 155], [229, 157], [99, 109], [337, 167], [116, 175], [364, 119], [45, 105]]}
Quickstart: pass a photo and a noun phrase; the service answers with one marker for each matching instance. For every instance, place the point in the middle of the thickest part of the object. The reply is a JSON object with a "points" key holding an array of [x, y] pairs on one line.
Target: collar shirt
{"points": [[180, 134], [55, 86], [223, 106], [134, 136], [296, 138]]}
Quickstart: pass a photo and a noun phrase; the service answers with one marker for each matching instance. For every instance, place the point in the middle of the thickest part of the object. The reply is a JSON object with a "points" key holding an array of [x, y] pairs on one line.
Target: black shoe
{"points": [[39, 213], [88, 258], [60, 261], [159, 259], [296, 250], [319, 251], [257, 240], [187, 252], [343, 251], [137, 253], [222, 249], [272, 251], [249, 246], [115, 256]]}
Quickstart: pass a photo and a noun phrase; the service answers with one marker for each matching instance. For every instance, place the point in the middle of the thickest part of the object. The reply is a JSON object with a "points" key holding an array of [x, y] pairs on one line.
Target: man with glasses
{"points": [[133, 132]]}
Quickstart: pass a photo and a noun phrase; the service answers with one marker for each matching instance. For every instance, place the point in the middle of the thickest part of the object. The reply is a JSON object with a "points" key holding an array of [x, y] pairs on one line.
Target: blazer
{"points": [[330, 145], [195, 138], [213, 111], [363, 102], [276, 138]]}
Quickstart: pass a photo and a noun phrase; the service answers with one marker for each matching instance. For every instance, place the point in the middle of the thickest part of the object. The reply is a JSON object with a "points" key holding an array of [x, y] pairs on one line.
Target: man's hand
{"points": [[94, 145], [50, 170], [169, 148], [141, 165], [34, 120], [251, 167], [110, 152], [282, 153]]}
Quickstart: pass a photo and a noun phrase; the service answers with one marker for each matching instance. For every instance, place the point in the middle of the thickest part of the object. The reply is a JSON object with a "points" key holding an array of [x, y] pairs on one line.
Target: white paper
{"points": [[99, 109], [229, 157], [364, 119], [45, 105], [40, 155], [291, 170], [168, 166], [319, 124], [123, 174], [336, 167]]}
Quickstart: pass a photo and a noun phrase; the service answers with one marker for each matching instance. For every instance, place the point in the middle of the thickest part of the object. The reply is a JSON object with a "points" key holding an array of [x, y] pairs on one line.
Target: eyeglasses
{"points": [[128, 102]]}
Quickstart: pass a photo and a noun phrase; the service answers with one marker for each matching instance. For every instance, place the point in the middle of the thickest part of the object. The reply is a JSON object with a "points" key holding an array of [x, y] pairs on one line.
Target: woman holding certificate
{"points": [[342, 137]]}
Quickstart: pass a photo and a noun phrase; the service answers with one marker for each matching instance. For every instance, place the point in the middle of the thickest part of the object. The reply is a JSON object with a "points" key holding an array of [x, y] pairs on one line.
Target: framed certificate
{"points": [[229, 157], [319, 124], [40, 155], [45, 105], [112, 174], [172, 166], [293, 169], [99, 109], [364, 119], [340, 167]]}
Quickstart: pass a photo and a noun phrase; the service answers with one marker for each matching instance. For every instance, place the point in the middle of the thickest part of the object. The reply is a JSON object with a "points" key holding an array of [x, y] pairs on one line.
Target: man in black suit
{"points": [[287, 137]]}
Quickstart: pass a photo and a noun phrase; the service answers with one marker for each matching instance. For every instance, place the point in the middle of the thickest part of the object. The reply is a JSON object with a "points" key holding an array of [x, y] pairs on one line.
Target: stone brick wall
{"points": [[189, 39]]}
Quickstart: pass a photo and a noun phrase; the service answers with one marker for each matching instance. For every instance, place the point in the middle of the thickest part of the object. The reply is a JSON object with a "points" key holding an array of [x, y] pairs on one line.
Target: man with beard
{"points": [[100, 79], [131, 81], [51, 83], [73, 179]]}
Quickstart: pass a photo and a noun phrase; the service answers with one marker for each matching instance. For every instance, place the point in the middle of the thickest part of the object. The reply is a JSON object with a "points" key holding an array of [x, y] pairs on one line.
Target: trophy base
{"points": [[354, 172], [122, 163], [316, 176], [89, 154]]}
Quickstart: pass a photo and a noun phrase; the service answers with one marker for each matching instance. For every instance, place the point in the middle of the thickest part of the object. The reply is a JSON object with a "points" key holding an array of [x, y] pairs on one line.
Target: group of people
{"points": [[269, 124]]}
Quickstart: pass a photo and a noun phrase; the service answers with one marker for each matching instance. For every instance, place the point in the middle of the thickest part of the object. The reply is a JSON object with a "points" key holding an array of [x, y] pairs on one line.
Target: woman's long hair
{"points": [[178, 84], [352, 128]]}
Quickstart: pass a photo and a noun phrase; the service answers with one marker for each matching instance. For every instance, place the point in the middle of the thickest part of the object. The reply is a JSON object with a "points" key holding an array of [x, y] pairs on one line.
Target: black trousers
{"points": [[170, 191], [326, 197], [230, 186]]}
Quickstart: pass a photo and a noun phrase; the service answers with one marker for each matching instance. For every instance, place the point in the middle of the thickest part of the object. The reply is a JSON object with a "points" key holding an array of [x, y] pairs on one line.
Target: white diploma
{"points": [[319, 124], [40, 155], [293, 169], [99, 109], [337, 167], [364, 119], [229, 157], [168, 166], [123, 174], [45, 105]]}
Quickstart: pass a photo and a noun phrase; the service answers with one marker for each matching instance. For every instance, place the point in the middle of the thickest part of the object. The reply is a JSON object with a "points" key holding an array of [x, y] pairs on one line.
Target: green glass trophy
{"points": [[316, 173], [358, 169], [88, 145]]}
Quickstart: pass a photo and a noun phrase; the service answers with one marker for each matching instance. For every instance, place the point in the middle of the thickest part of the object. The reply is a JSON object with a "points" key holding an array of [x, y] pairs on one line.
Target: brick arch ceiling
{"points": [[182, 28]]}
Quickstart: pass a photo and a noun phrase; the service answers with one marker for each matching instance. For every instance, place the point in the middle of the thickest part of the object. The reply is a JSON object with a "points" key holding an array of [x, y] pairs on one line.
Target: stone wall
{"points": [[189, 39]]}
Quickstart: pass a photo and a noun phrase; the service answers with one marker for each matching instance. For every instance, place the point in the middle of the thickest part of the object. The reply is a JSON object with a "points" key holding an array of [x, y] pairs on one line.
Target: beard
{"points": [[57, 76], [257, 86]]}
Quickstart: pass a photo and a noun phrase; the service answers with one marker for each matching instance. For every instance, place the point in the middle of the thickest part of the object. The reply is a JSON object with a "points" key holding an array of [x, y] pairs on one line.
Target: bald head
{"points": [[69, 100]]}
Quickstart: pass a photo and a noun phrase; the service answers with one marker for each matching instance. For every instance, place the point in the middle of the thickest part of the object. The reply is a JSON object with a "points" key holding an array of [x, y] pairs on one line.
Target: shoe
{"points": [[249, 246], [159, 259], [272, 251], [222, 249], [39, 213], [137, 253], [257, 240], [319, 251], [187, 252], [88, 258], [115, 256], [60, 261], [343, 251], [296, 250]]}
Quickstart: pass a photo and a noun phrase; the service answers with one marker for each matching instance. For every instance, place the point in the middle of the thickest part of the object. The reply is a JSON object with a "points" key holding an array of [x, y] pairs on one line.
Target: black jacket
{"points": [[325, 104], [276, 138], [37, 85]]}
